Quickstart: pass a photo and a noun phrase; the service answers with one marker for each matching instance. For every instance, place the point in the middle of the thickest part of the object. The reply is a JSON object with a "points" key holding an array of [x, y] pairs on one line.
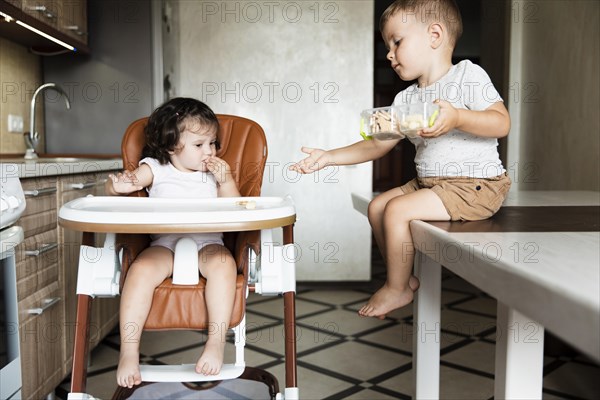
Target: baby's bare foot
{"points": [[128, 371], [385, 300], [211, 360]]}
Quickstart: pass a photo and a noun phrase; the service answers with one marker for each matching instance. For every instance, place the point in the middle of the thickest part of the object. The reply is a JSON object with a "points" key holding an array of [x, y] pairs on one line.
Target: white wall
{"points": [[303, 70], [553, 95]]}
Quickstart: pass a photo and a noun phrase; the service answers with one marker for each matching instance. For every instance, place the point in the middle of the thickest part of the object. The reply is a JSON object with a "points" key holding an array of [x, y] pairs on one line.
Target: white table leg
{"points": [[426, 328], [519, 356]]}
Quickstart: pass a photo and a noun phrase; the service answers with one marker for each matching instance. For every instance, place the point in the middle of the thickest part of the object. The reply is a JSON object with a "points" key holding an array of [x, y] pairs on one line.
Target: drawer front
{"points": [[40, 213], [38, 223], [41, 193], [41, 336], [37, 263]]}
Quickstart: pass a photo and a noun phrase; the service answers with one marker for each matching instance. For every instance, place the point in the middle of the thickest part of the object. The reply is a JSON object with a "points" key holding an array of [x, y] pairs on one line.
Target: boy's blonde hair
{"points": [[428, 11]]}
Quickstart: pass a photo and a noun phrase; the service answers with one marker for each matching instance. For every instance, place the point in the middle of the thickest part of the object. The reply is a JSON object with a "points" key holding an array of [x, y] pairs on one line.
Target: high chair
{"points": [[181, 305]]}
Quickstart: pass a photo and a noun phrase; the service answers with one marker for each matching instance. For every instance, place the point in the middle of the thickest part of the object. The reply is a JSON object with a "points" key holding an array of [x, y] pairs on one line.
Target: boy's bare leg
{"points": [[397, 291], [219, 268], [150, 268], [375, 213]]}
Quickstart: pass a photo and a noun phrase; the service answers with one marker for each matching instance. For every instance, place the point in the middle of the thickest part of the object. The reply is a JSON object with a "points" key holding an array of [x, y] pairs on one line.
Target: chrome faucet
{"points": [[32, 138]]}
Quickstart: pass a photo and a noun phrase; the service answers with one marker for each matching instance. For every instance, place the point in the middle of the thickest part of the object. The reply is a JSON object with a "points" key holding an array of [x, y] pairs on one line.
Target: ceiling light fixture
{"points": [[55, 40]]}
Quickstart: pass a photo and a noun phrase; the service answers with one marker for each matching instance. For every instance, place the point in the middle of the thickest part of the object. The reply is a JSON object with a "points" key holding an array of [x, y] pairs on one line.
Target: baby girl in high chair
{"points": [[178, 161]]}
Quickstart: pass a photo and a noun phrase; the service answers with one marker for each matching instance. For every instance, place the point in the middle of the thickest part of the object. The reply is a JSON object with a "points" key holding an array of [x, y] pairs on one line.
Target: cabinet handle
{"points": [[39, 192], [46, 304], [75, 29], [80, 186], [44, 248], [43, 10]]}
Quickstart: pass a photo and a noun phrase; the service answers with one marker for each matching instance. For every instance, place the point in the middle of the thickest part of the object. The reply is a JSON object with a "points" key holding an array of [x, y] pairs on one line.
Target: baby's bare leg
{"points": [[399, 288], [150, 268], [219, 268]]}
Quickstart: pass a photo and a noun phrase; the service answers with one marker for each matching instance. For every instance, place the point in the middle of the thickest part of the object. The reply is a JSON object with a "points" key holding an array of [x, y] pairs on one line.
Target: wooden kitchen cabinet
{"points": [[66, 16], [39, 296], [65, 20], [47, 280]]}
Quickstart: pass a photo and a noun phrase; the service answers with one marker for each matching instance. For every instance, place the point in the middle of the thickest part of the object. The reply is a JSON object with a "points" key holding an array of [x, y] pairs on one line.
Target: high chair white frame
{"points": [[272, 272]]}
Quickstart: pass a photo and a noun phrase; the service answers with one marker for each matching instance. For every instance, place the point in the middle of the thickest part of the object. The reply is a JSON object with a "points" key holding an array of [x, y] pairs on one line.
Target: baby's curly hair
{"points": [[170, 119], [428, 11]]}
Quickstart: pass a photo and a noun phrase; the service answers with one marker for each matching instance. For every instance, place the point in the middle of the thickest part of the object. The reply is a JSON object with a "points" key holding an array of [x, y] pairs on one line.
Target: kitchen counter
{"points": [[61, 165]]}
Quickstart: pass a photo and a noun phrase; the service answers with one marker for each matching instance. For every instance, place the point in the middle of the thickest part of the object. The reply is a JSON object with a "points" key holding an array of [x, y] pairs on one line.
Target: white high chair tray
{"points": [[157, 215]]}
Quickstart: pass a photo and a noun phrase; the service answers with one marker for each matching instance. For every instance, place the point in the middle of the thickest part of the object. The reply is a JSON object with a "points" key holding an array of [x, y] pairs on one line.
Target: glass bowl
{"points": [[380, 123], [397, 122], [416, 116]]}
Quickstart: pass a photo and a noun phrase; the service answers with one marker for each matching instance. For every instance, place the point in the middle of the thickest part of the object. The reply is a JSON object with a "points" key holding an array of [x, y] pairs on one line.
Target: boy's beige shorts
{"points": [[465, 199]]}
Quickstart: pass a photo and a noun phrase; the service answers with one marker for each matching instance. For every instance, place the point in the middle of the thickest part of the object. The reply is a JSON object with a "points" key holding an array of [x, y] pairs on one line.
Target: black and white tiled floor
{"points": [[343, 356]]}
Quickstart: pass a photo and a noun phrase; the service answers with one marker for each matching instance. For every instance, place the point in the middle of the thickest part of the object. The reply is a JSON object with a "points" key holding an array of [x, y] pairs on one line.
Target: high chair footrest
{"points": [[187, 373]]}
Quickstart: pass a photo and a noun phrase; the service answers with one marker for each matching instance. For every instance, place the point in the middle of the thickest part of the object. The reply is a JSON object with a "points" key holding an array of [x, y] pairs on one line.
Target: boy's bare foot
{"points": [[128, 371], [211, 360], [414, 283], [385, 300]]}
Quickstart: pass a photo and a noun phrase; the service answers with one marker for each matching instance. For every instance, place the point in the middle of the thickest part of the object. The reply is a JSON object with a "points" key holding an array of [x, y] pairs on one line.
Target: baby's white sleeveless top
{"points": [[169, 182]]}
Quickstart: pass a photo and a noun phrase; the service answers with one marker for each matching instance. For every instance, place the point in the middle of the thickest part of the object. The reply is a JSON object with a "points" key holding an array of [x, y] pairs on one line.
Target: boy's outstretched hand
{"points": [[316, 160], [444, 123]]}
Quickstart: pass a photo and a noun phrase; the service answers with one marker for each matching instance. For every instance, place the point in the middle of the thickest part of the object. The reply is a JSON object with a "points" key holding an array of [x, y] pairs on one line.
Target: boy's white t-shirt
{"points": [[169, 182], [457, 153]]}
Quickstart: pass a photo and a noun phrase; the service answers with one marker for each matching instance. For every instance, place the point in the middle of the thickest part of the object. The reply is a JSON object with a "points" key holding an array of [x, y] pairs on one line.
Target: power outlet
{"points": [[15, 123]]}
